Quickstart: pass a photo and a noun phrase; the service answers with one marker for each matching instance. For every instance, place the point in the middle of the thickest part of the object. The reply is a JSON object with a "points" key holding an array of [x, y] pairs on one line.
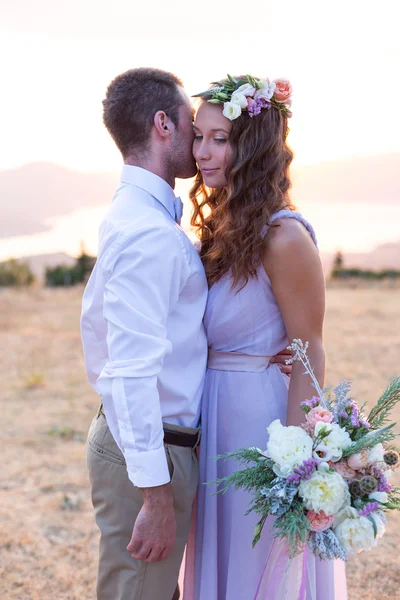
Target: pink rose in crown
{"points": [[283, 91], [343, 469], [319, 521], [316, 415]]}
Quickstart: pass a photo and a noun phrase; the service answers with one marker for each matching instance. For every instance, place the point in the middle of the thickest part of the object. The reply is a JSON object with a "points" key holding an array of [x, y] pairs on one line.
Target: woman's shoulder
{"points": [[290, 248], [289, 229]]}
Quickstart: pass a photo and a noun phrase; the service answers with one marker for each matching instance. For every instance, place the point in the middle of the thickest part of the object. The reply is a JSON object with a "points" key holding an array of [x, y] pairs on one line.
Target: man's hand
{"points": [[280, 360], [154, 532]]}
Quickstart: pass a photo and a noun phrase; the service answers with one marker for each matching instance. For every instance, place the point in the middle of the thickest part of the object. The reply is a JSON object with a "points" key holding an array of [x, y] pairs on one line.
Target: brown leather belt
{"points": [[181, 438], [174, 438]]}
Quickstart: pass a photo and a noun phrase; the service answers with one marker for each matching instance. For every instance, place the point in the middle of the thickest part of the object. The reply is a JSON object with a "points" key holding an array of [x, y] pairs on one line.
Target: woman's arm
{"points": [[292, 263]]}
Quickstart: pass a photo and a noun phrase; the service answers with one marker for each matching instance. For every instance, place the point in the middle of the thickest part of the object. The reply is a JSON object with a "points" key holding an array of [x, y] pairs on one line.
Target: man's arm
{"points": [[143, 283]]}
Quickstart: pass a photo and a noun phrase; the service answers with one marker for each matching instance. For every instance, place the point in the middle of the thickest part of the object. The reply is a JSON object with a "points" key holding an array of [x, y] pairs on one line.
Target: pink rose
{"points": [[317, 414], [319, 521], [358, 461], [283, 91], [343, 469]]}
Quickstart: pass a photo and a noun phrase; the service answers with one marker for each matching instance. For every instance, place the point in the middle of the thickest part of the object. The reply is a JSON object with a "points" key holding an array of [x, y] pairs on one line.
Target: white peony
{"points": [[325, 491], [355, 533], [381, 497], [288, 447], [332, 446], [231, 111], [247, 89], [380, 522], [375, 455], [266, 90], [347, 512], [239, 98]]}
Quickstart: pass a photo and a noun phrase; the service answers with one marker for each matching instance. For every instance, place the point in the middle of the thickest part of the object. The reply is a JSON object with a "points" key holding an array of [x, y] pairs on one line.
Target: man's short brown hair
{"points": [[132, 100]]}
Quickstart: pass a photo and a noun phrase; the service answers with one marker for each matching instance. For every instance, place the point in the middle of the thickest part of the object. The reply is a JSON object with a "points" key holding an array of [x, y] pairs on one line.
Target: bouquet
{"points": [[326, 482]]}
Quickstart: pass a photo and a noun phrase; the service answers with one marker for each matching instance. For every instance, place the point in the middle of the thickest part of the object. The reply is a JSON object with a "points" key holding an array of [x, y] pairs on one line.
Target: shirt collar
{"points": [[151, 183]]}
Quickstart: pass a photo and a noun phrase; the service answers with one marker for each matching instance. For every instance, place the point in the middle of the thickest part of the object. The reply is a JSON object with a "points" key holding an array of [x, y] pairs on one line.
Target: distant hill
{"points": [[386, 256], [370, 180], [35, 192]]}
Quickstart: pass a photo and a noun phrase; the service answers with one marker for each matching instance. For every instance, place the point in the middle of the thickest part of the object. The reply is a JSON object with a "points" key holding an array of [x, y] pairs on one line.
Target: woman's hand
{"points": [[280, 360]]}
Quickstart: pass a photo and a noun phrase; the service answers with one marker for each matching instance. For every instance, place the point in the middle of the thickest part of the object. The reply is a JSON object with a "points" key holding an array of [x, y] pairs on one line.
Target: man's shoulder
{"points": [[148, 233]]}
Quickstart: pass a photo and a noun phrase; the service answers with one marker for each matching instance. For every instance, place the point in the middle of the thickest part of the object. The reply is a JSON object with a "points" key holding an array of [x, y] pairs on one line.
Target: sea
{"points": [[346, 227]]}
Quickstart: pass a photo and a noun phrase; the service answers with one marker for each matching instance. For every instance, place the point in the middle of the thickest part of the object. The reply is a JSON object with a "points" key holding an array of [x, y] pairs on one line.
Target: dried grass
{"points": [[48, 539]]}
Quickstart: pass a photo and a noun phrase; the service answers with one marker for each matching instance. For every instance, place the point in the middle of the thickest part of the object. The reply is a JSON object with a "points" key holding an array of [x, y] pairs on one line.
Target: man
{"points": [[145, 346]]}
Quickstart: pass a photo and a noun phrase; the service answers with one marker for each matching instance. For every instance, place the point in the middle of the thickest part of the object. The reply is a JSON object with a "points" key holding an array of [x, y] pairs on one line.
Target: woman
{"points": [[266, 288]]}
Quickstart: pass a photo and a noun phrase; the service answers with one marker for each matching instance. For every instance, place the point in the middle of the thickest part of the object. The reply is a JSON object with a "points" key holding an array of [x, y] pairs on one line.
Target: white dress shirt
{"points": [[143, 338]]}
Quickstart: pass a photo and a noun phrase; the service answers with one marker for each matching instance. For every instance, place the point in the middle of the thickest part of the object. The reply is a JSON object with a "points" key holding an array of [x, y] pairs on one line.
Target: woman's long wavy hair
{"points": [[230, 221]]}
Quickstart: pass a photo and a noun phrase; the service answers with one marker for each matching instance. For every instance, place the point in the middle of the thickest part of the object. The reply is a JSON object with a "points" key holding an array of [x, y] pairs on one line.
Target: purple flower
{"points": [[354, 415], [254, 107], [311, 403], [365, 424], [368, 509], [383, 485], [303, 472]]}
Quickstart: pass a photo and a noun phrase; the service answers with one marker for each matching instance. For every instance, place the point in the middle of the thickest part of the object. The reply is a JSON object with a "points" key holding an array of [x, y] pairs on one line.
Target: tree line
{"points": [[340, 272], [17, 273]]}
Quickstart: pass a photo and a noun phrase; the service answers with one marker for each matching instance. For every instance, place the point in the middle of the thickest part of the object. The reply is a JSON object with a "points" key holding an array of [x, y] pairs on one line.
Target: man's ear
{"points": [[163, 124]]}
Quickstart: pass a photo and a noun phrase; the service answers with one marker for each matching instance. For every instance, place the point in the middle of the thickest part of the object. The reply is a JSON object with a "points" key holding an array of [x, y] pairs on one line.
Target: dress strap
{"points": [[291, 214]]}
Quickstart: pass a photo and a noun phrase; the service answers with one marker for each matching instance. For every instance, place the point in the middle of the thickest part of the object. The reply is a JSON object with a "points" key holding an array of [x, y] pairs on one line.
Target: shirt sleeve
{"points": [[141, 289]]}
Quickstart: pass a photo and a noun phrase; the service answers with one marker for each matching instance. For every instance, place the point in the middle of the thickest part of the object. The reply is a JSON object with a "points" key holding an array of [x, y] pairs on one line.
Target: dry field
{"points": [[48, 540]]}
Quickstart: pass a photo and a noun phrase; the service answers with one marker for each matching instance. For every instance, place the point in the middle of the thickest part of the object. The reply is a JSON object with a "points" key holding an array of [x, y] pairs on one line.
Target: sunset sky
{"points": [[58, 57]]}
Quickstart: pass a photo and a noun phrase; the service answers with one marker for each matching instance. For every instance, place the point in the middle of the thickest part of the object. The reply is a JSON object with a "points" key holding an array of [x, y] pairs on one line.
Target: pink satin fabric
{"points": [[285, 578]]}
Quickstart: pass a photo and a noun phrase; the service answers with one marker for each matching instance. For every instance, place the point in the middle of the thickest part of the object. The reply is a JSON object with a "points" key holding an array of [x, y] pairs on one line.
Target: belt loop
{"points": [[198, 439], [100, 411]]}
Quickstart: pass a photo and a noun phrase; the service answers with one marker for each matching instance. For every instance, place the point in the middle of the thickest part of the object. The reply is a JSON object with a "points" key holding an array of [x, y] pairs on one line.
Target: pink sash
{"points": [[285, 578]]}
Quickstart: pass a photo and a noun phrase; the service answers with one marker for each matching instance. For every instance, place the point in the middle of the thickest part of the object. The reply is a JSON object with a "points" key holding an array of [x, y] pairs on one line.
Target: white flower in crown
{"points": [[240, 99], [265, 89], [247, 89], [231, 110]]}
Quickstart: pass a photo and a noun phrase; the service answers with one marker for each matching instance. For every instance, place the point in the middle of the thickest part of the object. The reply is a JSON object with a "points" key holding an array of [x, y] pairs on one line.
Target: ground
{"points": [[48, 539]]}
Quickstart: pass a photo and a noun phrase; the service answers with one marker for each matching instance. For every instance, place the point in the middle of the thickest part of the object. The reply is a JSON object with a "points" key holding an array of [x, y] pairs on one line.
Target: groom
{"points": [[144, 344]]}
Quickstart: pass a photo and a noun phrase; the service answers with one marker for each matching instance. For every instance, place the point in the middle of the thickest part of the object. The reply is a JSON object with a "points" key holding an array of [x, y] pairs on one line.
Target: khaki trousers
{"points": [[117, 502]]}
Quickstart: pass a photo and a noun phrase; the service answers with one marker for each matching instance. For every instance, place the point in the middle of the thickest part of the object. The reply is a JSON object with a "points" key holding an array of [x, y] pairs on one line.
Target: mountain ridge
{"points": [[36, 192]]}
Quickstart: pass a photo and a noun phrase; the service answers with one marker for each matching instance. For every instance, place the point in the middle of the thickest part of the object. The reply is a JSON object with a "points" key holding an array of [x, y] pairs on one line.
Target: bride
{"points": [[266, 288]]}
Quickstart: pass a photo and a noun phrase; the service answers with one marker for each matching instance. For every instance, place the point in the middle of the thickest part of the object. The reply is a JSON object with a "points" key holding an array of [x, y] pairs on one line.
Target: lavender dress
{"points": [[237, 408]]}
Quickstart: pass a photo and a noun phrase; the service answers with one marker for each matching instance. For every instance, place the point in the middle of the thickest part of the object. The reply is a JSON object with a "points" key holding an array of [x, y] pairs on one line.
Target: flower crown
{"points": [[249, 94]]}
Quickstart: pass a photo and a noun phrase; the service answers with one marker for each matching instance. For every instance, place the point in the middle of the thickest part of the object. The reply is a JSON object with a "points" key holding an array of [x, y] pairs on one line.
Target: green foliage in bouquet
{"points": [[249, 479], [339, 446], [379, 415], [293, 526]]}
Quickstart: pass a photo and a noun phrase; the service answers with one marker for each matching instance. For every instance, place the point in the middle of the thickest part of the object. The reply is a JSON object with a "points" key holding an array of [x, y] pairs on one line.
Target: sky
{"points": [[58, 57]]}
